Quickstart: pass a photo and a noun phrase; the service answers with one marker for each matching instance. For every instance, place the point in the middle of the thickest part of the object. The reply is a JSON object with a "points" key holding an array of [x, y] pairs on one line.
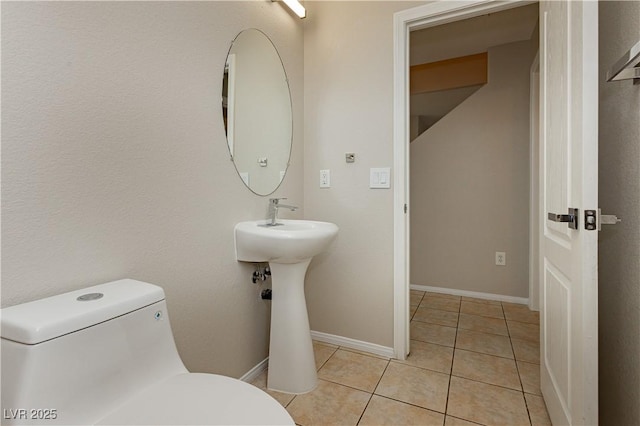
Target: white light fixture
{"points": [[296, 7]]}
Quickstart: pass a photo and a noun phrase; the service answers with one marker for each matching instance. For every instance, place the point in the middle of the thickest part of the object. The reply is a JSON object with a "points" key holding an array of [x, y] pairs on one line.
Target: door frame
{"points": [[535, 223], [425, 16]]}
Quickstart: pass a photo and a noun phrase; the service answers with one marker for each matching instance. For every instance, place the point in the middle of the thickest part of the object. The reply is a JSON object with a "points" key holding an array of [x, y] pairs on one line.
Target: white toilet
{"points": [[105, 355]]}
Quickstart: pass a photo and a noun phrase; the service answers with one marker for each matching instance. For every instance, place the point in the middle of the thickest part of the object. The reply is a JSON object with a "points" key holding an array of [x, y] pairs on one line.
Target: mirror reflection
{"points": [[256, 107]]}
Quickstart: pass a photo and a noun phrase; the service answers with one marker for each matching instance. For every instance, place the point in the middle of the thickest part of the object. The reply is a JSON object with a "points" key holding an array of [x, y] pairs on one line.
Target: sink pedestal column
{"points": [[292, 366]]}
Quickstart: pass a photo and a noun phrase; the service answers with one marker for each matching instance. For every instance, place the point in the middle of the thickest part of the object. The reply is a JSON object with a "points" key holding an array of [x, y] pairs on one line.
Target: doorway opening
{"points": [[437, 165]]}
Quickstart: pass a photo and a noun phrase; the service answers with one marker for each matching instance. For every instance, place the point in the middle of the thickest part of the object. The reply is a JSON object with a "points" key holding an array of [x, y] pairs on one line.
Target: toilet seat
{"points": [[200, 399]]}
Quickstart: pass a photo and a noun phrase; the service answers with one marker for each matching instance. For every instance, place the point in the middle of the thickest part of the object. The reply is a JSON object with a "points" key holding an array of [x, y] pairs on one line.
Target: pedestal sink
{"points": [[288, 247]]}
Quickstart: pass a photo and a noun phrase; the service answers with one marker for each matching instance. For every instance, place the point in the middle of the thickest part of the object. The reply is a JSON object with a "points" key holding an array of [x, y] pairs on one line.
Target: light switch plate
{"points": [[380, 177]]}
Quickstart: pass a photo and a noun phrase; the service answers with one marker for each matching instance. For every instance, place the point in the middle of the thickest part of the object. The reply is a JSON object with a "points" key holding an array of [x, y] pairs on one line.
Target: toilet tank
{"points": [[72, 358]]}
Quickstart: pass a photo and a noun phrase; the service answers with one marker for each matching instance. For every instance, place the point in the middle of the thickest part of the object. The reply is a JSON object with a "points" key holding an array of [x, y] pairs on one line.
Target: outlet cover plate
{"points": [[325, 178]]}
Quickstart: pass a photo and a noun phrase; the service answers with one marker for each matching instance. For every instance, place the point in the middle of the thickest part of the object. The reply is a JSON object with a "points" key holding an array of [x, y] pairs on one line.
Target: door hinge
{"points": [[405, 208], [594, 219]]}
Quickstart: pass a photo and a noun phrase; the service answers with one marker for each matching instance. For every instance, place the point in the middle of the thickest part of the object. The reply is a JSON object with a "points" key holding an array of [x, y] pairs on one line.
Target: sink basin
{"points": [[291, 241], [288, 247]]}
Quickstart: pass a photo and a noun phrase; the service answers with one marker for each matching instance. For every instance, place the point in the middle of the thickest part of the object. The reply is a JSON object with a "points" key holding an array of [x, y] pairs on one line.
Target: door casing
{"points": [[425, 16]]}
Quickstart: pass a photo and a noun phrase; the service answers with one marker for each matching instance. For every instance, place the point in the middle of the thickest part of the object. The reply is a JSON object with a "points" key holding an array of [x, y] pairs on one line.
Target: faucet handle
{"points": [[276, 200]]}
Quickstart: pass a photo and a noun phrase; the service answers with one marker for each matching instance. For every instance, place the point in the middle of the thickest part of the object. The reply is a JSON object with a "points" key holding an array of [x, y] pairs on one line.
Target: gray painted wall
{"points": [[470, 185], [115, 162], [619, 246], [348, 107]]}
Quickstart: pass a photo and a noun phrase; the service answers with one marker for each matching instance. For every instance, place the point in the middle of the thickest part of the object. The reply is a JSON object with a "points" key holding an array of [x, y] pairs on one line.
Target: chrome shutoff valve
{"points": [[261, 274]]}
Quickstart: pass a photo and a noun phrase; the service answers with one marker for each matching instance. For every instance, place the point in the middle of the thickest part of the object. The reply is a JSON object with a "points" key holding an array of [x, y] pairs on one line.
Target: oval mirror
{"points": [[256, 107]]}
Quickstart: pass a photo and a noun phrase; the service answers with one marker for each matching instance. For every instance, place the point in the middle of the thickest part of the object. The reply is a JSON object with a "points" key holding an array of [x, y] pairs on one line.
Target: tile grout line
{"points": [[453, 348], [451, 375], [317, 370], [481, 353], [455, 342], [446, 405], [517, 369], [409, 403], [465, 420], [468, 329], [488, 384], [327, 360], [373, 392], [416, 310], [346, 386], [388, 360], [467, 349], [458, 321], [289, 403], [365, 409]]}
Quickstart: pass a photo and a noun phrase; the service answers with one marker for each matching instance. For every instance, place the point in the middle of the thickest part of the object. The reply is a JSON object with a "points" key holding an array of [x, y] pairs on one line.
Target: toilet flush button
{"points": [[89, 297]]}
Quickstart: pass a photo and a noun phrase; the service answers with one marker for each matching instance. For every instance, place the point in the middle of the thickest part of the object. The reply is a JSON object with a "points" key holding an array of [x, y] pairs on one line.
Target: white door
{"points": [[569, 179]]}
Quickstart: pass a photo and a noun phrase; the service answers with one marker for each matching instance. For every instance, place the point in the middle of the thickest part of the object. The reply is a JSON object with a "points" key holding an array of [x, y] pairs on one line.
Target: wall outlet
{"points": [[325, 178], [501, 258]]}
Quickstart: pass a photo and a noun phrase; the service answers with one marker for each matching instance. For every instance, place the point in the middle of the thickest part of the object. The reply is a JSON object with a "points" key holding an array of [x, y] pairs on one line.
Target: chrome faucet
{"points": [[274, 205]]}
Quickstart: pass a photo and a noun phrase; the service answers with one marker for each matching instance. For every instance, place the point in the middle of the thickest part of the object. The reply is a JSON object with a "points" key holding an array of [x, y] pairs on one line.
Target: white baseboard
{"points": [[353, 344], [477, 295], [380, 350], [253, 374], [332, 339]]}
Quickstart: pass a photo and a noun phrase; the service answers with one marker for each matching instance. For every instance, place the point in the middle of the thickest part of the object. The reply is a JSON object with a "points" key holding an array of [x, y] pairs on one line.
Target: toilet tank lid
{"points": [[45, 319]]}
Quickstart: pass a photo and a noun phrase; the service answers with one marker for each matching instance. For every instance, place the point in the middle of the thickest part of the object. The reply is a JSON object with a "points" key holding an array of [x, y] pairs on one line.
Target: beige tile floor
{"points": [[472, 362]]}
